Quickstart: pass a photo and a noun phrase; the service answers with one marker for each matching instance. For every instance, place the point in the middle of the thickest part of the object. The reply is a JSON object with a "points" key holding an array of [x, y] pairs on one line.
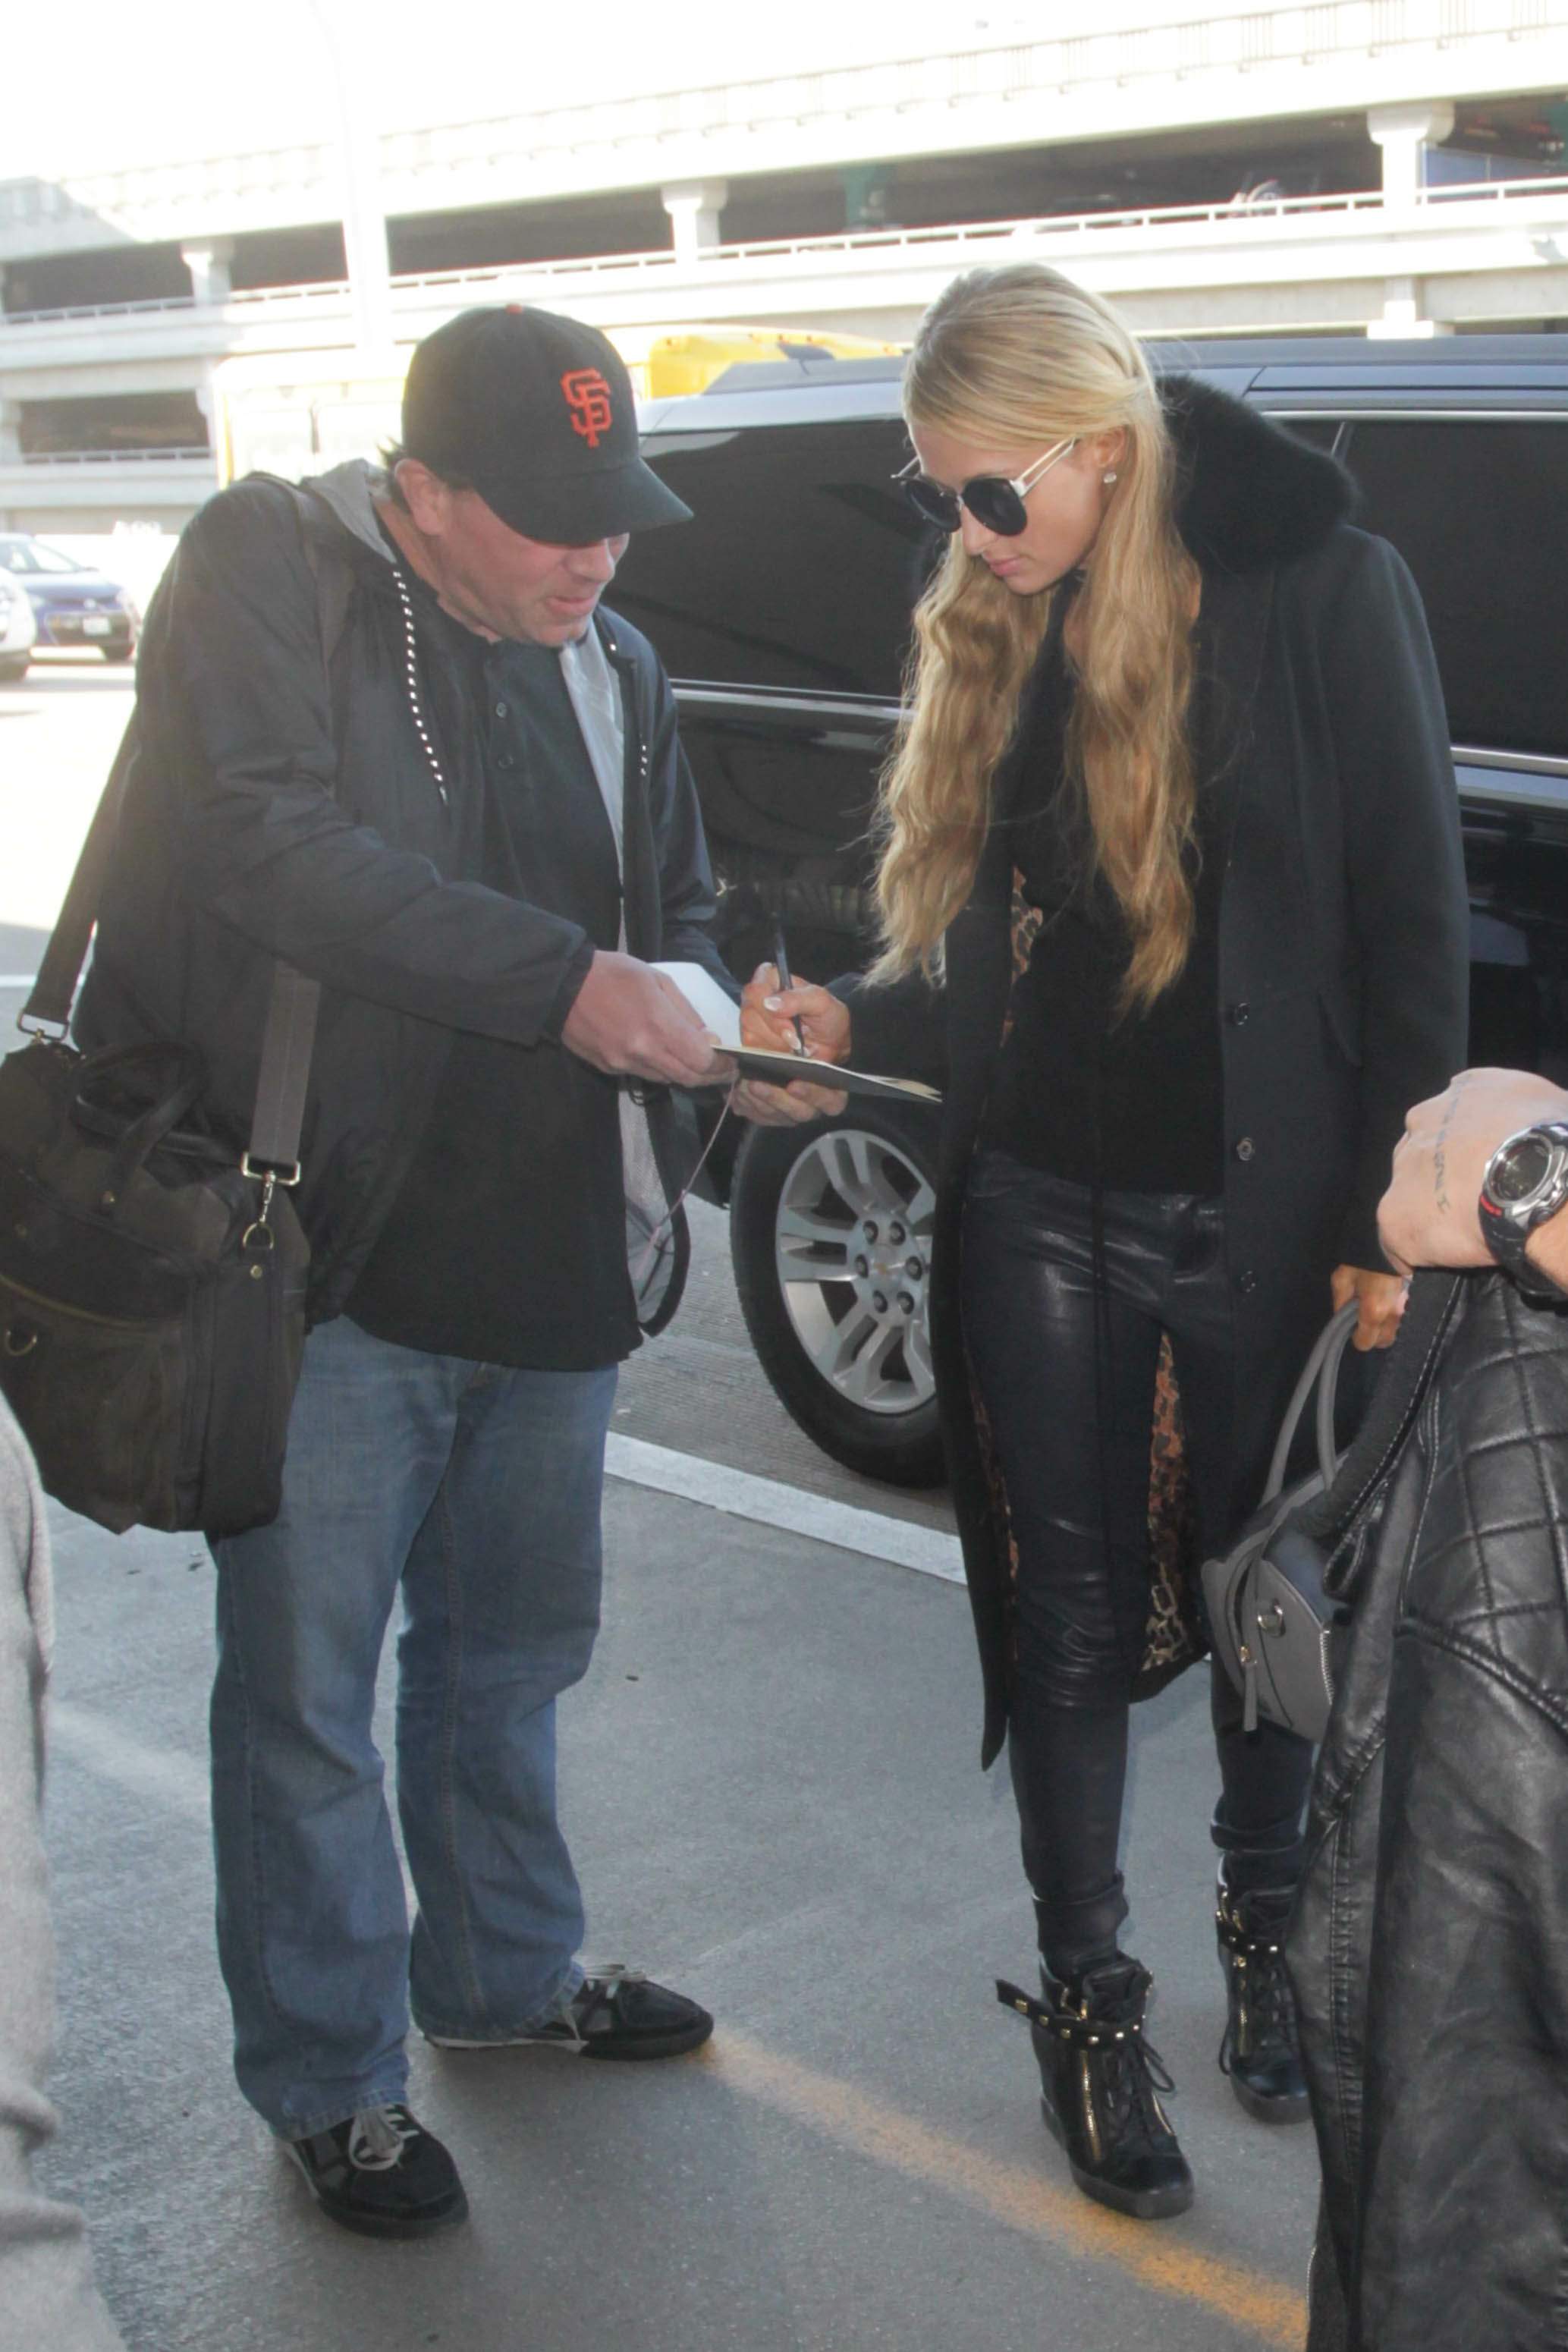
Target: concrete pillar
{"points": [[694, 208], [10, 432], [364, 215], [1402, 317], [208, 262], [206, 391], [1403, 132]]}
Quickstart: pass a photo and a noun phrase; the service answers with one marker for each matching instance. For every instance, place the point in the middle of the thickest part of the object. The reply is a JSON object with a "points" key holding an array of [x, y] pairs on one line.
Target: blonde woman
{"points": [[1171, 854]]}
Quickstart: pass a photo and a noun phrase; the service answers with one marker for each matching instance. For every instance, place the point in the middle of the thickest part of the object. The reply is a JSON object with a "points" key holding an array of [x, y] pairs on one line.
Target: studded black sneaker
{"points": [[1100, 2088], [615, 2013], [382, 2174], [1259, 2049]]}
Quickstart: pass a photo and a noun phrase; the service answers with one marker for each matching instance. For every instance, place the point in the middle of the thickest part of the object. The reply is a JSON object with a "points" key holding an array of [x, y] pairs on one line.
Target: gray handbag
{"points": [[1275, 1597], [1267, 1610]]}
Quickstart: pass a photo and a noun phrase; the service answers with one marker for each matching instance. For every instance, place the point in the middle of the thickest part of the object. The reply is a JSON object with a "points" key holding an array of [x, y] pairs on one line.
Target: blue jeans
{"points": [[477, 1490]]}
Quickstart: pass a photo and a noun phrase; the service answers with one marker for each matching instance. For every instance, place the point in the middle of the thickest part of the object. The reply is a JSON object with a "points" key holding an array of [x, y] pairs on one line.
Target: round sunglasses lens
{"points": [[932, 502], [995, 506]]}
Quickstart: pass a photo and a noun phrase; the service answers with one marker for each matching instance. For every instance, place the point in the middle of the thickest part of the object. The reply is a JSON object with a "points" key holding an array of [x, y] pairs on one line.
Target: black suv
{"points": [[782, 614]]}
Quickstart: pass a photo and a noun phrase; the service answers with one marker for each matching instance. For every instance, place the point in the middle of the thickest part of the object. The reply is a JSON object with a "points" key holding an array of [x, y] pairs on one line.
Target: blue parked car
{"points": [[72, 604]]}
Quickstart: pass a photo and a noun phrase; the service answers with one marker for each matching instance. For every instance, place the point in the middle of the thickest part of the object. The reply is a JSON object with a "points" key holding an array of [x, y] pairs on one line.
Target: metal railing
{"points": [[112, 458], [1053, 66], [202, 182], [333, 288], [101, 310], [1243, 213]]}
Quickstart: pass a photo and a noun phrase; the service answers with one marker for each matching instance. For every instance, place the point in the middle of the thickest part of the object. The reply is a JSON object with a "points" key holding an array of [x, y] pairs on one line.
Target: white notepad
{"points": [[720, 1013]]}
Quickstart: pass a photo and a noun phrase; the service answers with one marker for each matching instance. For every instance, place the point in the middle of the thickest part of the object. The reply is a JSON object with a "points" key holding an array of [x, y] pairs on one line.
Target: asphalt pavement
{"points": [[771, 1785]]}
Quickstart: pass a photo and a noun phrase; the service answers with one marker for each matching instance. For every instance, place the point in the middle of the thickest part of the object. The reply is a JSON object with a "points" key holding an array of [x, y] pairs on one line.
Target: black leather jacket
{"points": [[1429, 1949]]}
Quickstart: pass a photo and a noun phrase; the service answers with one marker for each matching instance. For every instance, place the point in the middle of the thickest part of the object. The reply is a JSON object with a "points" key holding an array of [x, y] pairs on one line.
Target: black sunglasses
{"points": [[996, 504]]}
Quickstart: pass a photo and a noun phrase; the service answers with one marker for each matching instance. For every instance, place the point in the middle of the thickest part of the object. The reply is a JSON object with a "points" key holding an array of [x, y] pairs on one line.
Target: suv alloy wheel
{"points": [[830, 1230]]}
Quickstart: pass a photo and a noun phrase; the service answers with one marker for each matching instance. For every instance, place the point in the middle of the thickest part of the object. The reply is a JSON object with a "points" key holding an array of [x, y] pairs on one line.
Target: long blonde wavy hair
{"points": [[1019, 357]]}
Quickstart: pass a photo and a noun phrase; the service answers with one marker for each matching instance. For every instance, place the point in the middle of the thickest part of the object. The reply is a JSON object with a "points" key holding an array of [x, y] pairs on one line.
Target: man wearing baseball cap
{"points": [[386, 732]]}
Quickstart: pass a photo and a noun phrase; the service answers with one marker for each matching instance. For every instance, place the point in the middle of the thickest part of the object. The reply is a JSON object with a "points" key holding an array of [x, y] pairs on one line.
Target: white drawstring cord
{"points": [[665, 1225]]}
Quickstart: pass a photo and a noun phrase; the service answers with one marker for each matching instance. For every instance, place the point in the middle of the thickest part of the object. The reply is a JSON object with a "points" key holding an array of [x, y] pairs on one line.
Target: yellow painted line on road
{"points": [[1009, 2193]]}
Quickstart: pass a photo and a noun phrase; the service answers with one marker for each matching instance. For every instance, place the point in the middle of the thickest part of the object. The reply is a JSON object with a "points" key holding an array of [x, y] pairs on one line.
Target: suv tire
{"points": [[829, 1233]]}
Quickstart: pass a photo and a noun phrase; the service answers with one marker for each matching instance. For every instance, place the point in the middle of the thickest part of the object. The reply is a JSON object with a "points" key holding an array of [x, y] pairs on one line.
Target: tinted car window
{"points": [[1480, 512], [814, 592]]}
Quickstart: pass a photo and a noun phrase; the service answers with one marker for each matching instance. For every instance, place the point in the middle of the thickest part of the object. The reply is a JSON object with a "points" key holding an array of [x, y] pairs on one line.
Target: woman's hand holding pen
{"points": [[768, 1015]]}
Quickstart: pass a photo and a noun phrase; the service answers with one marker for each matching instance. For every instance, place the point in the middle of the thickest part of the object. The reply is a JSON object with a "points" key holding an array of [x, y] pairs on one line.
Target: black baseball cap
{"points": [[536, 413]]}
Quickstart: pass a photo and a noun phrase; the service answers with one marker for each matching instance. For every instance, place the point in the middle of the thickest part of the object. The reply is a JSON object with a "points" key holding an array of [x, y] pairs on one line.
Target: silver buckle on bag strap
{"points": [[258, 1233], [285, 1172]]}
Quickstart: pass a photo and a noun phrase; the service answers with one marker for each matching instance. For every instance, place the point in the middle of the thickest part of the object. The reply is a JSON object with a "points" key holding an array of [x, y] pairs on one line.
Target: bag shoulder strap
{"points": [[288, 1041], [54, 990], [334, 578], [290, 1038], [1435, 1294]]}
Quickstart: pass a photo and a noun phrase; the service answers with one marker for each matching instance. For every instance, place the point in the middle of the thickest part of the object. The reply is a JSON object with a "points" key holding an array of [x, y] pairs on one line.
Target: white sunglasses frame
{"points": [[1020, 487]]}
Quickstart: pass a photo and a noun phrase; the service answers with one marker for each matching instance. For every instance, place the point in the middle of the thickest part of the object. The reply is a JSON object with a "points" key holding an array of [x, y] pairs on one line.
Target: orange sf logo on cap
{"points": [[588, 397]]}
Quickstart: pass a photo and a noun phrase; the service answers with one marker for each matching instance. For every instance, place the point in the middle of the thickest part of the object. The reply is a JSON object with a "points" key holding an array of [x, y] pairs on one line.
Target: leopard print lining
{"points": [[1026, 921], [1173, 1635]]}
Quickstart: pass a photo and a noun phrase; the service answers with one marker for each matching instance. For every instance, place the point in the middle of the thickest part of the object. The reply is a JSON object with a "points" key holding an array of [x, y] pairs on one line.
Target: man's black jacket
{"points": [[270, 811]]}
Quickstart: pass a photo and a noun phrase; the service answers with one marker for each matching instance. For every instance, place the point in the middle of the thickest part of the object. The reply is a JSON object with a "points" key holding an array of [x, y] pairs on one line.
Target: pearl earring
{"points": [[1108, 476]]}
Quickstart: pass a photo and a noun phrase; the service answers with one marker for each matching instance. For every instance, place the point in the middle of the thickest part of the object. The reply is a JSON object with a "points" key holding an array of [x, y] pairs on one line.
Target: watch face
{"points": [[1520, 1170]]}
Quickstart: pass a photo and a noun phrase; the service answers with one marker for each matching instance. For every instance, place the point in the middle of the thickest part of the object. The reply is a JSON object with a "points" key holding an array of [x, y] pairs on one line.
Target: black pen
{"points": [[782, 966]]}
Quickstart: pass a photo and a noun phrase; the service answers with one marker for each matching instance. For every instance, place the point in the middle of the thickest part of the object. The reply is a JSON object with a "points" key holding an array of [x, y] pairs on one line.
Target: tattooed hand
{"points": [[1428, 1214]]}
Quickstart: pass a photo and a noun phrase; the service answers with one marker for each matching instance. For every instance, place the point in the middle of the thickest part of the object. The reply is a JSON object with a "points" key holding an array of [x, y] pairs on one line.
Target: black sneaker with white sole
{"points": [[381, 2173], [615, 2013]]}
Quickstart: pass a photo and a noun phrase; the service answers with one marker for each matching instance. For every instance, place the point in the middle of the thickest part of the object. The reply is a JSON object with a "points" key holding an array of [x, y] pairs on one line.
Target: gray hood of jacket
{"points": [[350, 493]]}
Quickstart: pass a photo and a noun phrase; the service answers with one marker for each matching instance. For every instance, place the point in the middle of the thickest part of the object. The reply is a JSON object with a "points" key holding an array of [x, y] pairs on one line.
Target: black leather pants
{"points": [[1066, 1372]]}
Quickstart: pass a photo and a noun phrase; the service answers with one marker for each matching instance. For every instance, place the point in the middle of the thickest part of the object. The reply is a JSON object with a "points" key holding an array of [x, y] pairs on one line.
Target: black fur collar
{"points": [[1249, 496]]}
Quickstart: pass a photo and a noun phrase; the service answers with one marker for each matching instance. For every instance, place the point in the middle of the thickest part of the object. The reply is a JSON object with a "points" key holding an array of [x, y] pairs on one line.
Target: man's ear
{"points": [[427, 498]]}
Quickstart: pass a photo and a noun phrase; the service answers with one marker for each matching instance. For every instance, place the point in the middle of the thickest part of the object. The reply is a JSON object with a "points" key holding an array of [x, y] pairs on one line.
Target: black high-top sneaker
{"points": [[1259, 2049], [1099, 2084]]}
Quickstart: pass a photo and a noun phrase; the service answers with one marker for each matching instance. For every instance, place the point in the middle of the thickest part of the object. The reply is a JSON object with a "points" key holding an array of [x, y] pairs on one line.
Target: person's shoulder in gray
{"points": [[49, 2302]]}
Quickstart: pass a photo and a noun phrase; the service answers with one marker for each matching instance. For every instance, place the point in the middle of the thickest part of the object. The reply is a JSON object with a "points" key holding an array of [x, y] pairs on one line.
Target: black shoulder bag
{"points": [[153, 1284]]}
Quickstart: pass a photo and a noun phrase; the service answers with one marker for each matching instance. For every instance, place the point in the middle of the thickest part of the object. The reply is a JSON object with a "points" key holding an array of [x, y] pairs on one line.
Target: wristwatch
{"points": [[1526, 1182]]}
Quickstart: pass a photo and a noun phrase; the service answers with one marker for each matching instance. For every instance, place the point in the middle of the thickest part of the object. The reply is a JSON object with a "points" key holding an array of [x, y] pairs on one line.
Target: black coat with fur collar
{"points": [[1343, 947]]}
